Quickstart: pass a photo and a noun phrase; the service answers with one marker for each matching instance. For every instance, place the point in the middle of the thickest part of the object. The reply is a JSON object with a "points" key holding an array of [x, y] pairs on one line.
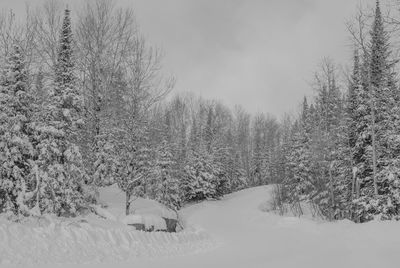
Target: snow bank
{"points": [[150, 221], [114, 199], [150, 207], [102, 238], [51, 240], [243, 236], [133, 219], [103, 213]]}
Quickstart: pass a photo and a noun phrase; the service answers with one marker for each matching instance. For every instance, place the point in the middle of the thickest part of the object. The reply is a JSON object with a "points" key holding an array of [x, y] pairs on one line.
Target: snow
{"points": [[150, 221], [114, 198], [144, 211], [104, 213], [51, 241], [154, 221], [133, 219], [232, 232], [145, 206], [94, 239]]}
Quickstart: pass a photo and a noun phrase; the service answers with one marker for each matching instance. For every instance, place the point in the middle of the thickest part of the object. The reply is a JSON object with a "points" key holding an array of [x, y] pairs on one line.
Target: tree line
{"points": [[83, 105], [342, 153]]}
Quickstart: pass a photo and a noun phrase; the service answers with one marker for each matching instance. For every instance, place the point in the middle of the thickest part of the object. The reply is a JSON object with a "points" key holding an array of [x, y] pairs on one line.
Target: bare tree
{"points": [[48, 21]]}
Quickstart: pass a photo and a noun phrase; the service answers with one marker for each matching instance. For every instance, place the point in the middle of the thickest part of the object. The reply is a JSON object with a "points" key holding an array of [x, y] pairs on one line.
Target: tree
{"points": [[167, 186], [59, 163], [257, 159], [106, 40], [200, 180], [16, 148], [379, 193]]}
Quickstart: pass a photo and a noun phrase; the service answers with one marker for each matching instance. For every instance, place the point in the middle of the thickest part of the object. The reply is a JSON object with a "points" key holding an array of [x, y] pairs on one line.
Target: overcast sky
{"points": [[260, 54]]}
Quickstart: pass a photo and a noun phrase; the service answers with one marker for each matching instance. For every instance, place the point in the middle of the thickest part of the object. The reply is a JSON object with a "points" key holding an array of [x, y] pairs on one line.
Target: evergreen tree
{"points": [[59, 162], [379, 192], [16, 148], [299, 182], [208, 131], [352, 100], [167, 186], [40, 90], [258, 157], [200, 179], [107, 162]]}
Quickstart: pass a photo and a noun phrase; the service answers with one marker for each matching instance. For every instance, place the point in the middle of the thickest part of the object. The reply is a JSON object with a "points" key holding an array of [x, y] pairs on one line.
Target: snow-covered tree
{"points": [[379, 188], [200, 180], [135, 164], [107, 162], [16, 148], [258, 154], [59, 163], [167, 189]]}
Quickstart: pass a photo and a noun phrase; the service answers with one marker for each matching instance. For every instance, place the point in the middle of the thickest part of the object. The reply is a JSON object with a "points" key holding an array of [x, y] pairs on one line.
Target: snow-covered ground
{"points": [[233, 232], [92, 240]]}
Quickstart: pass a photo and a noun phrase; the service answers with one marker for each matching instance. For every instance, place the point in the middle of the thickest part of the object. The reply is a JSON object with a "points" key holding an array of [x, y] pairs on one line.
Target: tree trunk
{"points": [[128, 203], [331, 191]]}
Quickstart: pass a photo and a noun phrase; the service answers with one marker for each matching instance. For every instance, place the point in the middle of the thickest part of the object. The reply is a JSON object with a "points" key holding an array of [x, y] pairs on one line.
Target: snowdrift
{"points": [[148, 213], [102, 238], [52, 240], [239, 234]]}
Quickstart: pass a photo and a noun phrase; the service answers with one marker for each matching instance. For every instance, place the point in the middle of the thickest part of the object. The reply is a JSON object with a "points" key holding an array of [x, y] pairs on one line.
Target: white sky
{"points": [[260, 54]]}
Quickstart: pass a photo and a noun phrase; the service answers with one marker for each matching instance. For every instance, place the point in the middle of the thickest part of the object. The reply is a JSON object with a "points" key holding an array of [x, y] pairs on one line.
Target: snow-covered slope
{"points": [[91, 239], [66, 242], [254, 239], [246, 237]]}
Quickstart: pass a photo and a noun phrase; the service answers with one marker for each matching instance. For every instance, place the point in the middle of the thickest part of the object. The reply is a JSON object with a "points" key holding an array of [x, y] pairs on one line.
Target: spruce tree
{"points": [[379, 189], [200, 180], [258, 158], [16, 148], [352, 100], [346, 185], [167, 186], [59, 161]]}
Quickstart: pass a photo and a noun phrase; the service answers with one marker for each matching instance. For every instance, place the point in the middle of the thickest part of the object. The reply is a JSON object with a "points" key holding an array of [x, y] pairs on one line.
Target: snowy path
{"points": [[248, 237]]}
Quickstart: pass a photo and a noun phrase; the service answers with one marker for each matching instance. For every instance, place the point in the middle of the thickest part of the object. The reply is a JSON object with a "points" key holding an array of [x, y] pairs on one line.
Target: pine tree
{"points": [[167, 185], [208, 131], [346, 167], [385, 97], [59, 162], [362, 155], [200, 179], [379, 185], [40, 90], [258, 157], [352, 100], [107, 162], [299, 182], [16, 148]]}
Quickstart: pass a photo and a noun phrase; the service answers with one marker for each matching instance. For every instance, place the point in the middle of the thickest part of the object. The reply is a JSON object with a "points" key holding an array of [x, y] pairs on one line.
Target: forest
{"points": [[85, 103]]}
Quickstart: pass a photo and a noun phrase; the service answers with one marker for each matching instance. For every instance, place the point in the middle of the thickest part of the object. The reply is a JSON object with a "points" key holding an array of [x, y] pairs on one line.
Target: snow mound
{"points": [[114, 199], [103, 213], [150, 221], [150, 207], [51, 240], [133, 219], [153, 221]]}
